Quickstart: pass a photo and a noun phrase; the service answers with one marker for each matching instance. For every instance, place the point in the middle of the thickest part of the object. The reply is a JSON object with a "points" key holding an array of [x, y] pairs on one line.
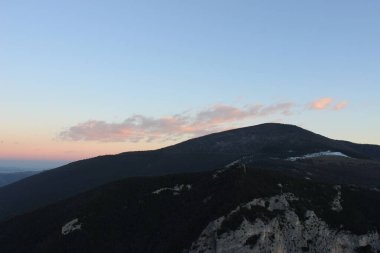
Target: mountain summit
{"points": [[251, 145], [267, 188]]}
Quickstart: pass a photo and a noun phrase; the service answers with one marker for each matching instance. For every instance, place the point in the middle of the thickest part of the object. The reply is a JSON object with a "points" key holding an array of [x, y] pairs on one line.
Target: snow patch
{"points": [[232, 164], [313, 155], [71, 226], [176, 189], [225, 168]]}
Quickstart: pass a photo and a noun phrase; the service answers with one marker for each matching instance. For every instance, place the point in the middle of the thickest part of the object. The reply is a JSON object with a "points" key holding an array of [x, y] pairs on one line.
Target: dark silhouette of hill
{"points": [[254, 144], [145, 215], [10, 177]]}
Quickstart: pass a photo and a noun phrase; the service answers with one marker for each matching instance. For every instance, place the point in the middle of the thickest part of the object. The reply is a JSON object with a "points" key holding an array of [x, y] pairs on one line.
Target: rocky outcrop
{"points": [[273, 225]]}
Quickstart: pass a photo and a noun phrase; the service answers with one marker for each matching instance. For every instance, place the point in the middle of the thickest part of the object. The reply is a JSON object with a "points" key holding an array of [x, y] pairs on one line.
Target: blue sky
{"points": [[65, 63]]}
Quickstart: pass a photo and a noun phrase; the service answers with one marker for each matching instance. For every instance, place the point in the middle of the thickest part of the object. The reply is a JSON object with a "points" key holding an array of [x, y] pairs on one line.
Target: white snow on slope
{"points": [[324, 153], [176, 189], [228, 166], [71, 226], [232, 164]]}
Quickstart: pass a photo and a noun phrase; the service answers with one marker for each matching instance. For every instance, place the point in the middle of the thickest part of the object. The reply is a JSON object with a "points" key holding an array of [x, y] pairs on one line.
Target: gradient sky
{"points": [[85, 78]]}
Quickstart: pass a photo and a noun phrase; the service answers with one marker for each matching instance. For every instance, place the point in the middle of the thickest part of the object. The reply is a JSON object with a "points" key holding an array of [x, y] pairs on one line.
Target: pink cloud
{"points": [[133, 129], [321, 104], [141, 128], [341, 105]]}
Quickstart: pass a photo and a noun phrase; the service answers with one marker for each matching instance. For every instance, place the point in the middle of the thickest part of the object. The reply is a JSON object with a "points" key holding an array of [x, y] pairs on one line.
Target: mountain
{"points": [[237, 208], [250, 145], [11, 177]]}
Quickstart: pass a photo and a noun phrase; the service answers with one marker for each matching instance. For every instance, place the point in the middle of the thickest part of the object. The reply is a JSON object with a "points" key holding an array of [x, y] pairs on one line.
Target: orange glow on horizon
{"points": [[70, 151]]}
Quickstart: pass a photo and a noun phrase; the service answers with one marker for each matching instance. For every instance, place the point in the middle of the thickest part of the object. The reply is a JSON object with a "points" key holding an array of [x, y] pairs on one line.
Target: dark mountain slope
{"points": [[57, 184], [11, 177], [201, 154], [370, 150], [134, 215], [330, 169], [270, 139]]}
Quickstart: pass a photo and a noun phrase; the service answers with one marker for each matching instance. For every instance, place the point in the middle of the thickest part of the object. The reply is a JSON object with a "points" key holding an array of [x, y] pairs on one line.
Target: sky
{"points": [[85, 78]]}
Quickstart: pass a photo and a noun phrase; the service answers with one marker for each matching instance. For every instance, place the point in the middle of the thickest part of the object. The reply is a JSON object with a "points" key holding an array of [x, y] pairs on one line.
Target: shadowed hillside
{"points": [[172, 213], [254, 144]]}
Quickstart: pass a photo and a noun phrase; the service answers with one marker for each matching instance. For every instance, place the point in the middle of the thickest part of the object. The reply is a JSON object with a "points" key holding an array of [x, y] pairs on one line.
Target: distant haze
{"points": [[29, 165]]}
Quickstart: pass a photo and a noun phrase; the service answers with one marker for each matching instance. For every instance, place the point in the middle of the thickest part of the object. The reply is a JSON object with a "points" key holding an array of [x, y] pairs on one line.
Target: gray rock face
{"points": [[282, 230]]}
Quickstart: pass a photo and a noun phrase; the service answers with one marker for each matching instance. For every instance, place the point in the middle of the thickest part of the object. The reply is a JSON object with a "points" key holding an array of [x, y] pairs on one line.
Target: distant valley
{"points": [[11, 175]]}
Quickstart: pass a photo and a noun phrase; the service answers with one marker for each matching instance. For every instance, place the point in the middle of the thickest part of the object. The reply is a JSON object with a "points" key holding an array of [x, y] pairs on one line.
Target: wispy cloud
{"points": [[341, 105], [142, 128], [327, 103], [321, 104]]}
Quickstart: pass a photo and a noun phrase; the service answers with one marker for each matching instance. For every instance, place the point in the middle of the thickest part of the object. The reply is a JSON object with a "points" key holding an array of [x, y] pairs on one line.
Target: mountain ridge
{"points": [[205, 153]]}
